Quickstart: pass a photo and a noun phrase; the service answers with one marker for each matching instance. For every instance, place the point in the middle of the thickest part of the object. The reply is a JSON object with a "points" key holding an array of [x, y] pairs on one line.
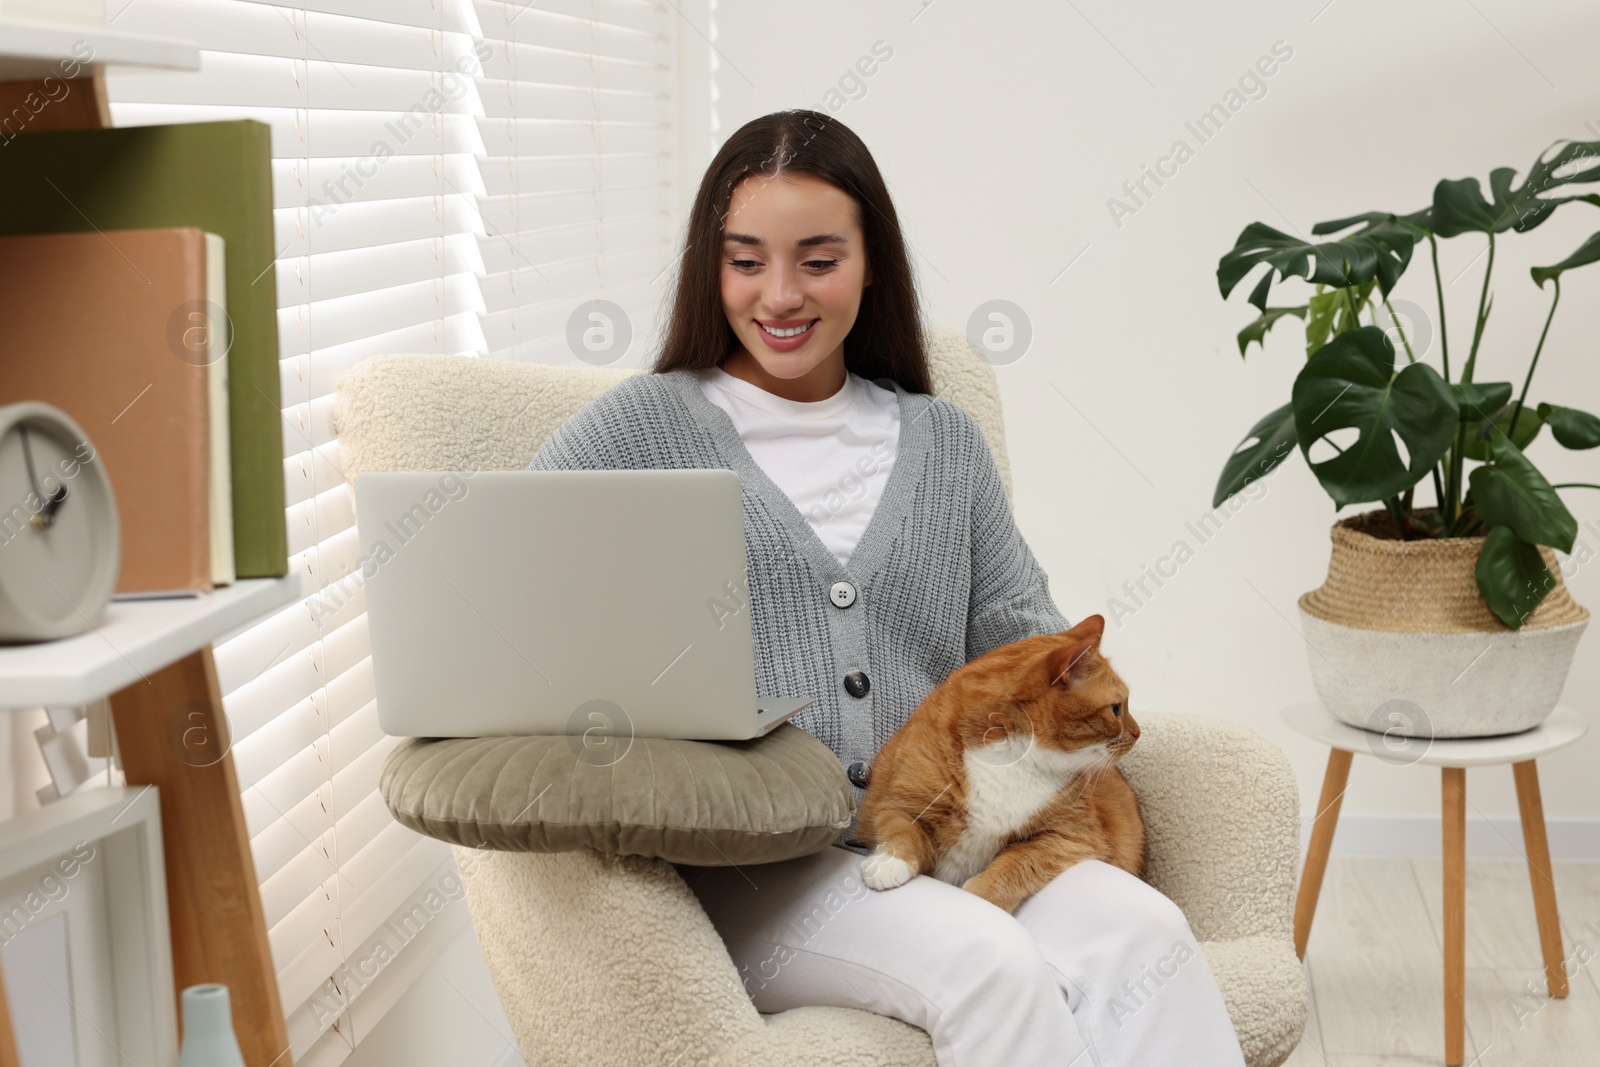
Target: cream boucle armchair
{"points": [[605, 960]]}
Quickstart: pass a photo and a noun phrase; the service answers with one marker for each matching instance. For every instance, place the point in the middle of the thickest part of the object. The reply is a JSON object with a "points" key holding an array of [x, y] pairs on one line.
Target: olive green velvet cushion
{"points": [[708, 803]]}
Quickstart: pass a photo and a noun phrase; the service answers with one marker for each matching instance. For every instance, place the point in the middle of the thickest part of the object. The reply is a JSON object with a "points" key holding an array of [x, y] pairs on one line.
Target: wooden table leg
{"points": [[1544, 886], [1322, 827], [8, 1038], [1454, 812], [219, 934]]}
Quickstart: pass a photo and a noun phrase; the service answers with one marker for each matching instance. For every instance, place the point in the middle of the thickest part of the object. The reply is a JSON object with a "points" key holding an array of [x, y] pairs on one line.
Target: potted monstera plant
{"points": [[1449, 620]]}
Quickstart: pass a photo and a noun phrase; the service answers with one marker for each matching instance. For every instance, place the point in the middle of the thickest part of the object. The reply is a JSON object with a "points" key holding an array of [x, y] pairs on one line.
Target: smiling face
{"points": [[793, 257]]}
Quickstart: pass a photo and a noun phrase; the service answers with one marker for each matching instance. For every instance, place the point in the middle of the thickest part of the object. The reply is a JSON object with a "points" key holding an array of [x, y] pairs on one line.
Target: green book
{"points": [[213, 175]]}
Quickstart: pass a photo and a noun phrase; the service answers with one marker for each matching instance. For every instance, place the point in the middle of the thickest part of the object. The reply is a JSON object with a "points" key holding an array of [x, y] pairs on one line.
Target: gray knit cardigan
{"points": [[941, 575]]}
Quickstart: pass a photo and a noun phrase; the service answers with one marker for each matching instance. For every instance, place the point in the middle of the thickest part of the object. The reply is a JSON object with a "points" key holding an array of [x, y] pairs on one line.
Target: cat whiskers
{"points": [[1090, 776], [1100, 769]]}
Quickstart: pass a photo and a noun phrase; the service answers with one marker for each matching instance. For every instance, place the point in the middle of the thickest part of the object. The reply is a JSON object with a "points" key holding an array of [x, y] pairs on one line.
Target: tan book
{"points": [[114, 328], [217, 341]]}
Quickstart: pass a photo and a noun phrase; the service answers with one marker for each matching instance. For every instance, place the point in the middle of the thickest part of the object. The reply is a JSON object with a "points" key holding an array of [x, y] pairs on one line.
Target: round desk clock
{"points": [[60, 545]]}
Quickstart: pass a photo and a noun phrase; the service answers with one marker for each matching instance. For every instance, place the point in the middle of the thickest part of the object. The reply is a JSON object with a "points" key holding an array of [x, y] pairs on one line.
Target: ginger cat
{"points": [[1006, 774]]}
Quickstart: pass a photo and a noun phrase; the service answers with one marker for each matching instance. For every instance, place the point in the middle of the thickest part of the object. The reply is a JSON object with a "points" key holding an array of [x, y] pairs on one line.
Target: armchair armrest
{"points": [[1223, 813], [603, 961]]}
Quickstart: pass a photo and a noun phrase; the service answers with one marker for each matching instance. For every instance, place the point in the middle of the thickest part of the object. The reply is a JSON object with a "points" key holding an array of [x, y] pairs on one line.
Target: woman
{"points": [[881, 555]]}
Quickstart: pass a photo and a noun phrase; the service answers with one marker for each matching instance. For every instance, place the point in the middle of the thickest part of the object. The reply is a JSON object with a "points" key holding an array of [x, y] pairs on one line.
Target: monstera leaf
{"points": [[1509, 491], [1571, 427], [1481, 430], [1351, 383], [1511, 576], [1586, 253], [1477, 399], [1416, 225], [1257, 330], [1459, 206], [1380, 251], [1267, 444], [1330, 313]]}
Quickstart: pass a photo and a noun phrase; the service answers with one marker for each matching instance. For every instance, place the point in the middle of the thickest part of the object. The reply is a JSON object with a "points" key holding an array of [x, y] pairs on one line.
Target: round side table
{"points": [[1454, 756]]}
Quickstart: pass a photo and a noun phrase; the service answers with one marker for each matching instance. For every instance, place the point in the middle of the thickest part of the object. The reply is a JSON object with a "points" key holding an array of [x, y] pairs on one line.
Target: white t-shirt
{"points": [[830, 457]]}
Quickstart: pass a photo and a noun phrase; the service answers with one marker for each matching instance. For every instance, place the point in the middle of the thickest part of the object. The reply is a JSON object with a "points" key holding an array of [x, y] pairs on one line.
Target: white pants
{"points": [[1096, 968]]}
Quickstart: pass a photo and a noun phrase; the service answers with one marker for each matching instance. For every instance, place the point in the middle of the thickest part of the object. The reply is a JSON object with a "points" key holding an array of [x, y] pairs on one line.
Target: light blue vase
{"points": [[208, 1039]]}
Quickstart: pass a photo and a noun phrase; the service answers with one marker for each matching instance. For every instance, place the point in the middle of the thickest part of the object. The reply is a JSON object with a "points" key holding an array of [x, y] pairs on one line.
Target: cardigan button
{"points": [[858, 774], [842, 594], [857, 683]]}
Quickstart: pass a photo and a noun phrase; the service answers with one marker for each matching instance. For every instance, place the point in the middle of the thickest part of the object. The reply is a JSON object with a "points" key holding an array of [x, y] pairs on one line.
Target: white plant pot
{"points": [[1400, 640], [1439, 685]]}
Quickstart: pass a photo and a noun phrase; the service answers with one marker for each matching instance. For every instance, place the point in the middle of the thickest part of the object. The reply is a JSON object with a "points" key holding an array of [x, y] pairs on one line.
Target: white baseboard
{"points": [[1488, 837]]}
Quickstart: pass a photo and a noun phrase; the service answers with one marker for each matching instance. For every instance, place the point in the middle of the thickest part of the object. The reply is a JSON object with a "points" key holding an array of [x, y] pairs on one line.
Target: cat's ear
{"points": [[1070, 661], [1090, 626]]}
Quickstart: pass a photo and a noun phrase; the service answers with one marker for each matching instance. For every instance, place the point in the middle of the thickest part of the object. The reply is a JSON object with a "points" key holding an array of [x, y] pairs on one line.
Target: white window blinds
{"points": [[577, 170], [449, 177]]}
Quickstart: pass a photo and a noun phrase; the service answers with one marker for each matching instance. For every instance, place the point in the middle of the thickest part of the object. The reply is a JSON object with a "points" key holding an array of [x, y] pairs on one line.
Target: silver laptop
{"points": [[561, 602]]}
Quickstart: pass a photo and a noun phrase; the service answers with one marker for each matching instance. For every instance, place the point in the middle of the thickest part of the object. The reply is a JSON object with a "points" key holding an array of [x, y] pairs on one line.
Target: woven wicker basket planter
{"points": [[1401, 641]]}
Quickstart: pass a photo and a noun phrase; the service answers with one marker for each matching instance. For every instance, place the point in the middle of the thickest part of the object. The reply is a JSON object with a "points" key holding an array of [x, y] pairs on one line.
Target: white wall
{"points": [[1003, 129]]}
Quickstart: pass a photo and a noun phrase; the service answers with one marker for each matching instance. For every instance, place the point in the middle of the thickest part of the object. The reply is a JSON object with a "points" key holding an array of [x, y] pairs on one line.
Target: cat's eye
{"points": [[1116, 709]]}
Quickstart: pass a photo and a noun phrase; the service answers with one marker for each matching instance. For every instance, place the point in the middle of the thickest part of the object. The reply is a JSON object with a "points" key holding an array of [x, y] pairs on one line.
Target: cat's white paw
{"points": [[882, 870]]}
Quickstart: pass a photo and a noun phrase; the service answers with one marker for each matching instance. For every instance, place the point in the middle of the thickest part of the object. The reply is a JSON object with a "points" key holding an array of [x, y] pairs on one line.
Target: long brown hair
{"points": [[886, 340]]}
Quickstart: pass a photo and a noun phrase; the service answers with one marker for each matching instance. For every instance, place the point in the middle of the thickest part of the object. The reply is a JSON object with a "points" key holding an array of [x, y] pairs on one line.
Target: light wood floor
{"points": [[1376, 967]]}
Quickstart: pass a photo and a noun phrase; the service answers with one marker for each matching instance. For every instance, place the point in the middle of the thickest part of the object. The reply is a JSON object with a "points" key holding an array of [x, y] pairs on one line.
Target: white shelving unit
{"points": [[131, 639], [167, 643], [135, 637], [146, 657], [30, 49]]}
